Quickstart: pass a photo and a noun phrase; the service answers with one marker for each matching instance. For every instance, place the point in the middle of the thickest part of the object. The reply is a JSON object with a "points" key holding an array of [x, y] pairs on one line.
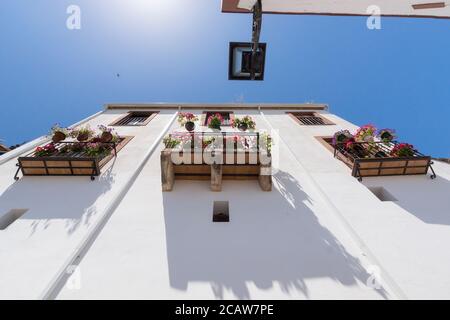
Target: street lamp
{"points": [[247, 59], [244, 64]]}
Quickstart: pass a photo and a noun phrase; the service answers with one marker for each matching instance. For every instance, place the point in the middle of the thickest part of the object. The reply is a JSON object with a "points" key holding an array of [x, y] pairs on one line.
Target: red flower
{"points": [[45, 150], [217, 115], [403, 150], [349, 143]]}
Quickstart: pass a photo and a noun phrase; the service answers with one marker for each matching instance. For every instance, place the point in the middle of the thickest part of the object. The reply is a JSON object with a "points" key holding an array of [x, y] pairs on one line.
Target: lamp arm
{"points": [[256, 31]]}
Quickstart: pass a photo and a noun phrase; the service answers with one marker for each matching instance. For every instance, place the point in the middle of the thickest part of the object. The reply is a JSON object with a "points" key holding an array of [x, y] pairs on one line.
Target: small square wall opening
{"points": [[221, 211], [382, 194], [12, 215]]}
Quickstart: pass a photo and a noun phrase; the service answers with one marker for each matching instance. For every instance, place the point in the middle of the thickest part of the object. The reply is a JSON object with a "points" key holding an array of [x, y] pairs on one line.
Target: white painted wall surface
{"points": [[279, 245], [316, 235], [62, 211]]}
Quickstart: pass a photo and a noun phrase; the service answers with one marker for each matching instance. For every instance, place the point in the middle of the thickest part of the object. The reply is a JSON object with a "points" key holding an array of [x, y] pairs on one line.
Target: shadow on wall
{"points": [[428, 200], [47, 199], [272, 237]]}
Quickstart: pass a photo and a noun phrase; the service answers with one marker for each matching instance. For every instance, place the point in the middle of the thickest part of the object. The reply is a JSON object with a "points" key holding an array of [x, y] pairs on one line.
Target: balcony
{"points": [[69, 158], [216, 156], [369, 159]]}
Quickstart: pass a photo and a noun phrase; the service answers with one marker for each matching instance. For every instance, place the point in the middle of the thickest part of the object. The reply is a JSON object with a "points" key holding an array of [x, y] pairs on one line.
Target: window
{"points": [[228, 117], [433, 5], [135, 118], [221, 211], [310, 119], [327, 142], [3, 149]]}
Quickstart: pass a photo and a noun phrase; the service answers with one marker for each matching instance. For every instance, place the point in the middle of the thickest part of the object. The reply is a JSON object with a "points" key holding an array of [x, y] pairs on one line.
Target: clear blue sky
{"points": [[396, 77]]}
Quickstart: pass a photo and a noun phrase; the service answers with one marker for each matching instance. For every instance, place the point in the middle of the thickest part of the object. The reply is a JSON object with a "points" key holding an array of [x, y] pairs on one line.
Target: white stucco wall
{"points": [[279, 245], [61, 212], [318, 234]]}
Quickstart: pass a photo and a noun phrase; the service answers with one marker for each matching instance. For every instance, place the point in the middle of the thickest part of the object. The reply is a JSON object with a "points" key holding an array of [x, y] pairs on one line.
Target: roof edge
{"points": [[231, 6], [219, 106]]}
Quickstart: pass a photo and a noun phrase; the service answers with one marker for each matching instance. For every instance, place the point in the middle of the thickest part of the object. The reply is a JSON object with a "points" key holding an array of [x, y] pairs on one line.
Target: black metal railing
{"points": [[133, 120], [378, 151], [311, 120], [200, 140], [66, 158], [364, 150], [64, 150]]}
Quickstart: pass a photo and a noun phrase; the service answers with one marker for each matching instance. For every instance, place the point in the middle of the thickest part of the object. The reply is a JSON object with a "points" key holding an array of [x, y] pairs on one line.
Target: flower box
{"points": [[369, 159], [65, 162], [199, 161]]}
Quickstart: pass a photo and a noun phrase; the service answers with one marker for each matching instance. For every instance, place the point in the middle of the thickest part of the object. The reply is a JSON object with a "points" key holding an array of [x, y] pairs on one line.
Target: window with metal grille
{"points": [[135, 118], [227, 117], [310, 119]]}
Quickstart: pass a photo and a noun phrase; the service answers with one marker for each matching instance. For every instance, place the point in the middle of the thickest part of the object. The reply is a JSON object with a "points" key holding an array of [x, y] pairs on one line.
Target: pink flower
{"points": [[217, 115], [403, 150]]}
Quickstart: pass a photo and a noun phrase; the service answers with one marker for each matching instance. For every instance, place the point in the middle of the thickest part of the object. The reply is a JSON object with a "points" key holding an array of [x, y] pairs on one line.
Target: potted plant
{"points": [[386, 135], [266, 142], [207, 141], [106, 133], [76, 147], [244, 123], [365, 133], [171, 142], [187, 119], [46, 150], [403, 150], [341, 137], [215, 121], [83, 133], [59, 133], [96, 149], [355, 148], [184, 139]]}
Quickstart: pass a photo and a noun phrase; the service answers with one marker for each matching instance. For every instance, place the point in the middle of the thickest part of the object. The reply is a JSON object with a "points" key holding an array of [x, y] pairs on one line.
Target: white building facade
{"points": [[320, 233]]}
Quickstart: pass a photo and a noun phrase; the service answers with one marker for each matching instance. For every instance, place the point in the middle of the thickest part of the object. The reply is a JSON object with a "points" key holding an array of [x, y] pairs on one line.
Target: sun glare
{"points": [[156, 8]]}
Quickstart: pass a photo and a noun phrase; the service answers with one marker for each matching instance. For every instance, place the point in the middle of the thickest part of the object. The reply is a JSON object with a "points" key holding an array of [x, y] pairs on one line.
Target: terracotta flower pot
{"points": [[83, 136], [190, 126], [58, 136], [243, 127], [106, 136]]}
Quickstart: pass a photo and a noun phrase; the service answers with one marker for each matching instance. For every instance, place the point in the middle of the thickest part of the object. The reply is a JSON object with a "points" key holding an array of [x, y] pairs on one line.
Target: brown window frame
{"points": [[326, 141], [150, 115], [295, 115], [204, 118], [432, 5]]}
